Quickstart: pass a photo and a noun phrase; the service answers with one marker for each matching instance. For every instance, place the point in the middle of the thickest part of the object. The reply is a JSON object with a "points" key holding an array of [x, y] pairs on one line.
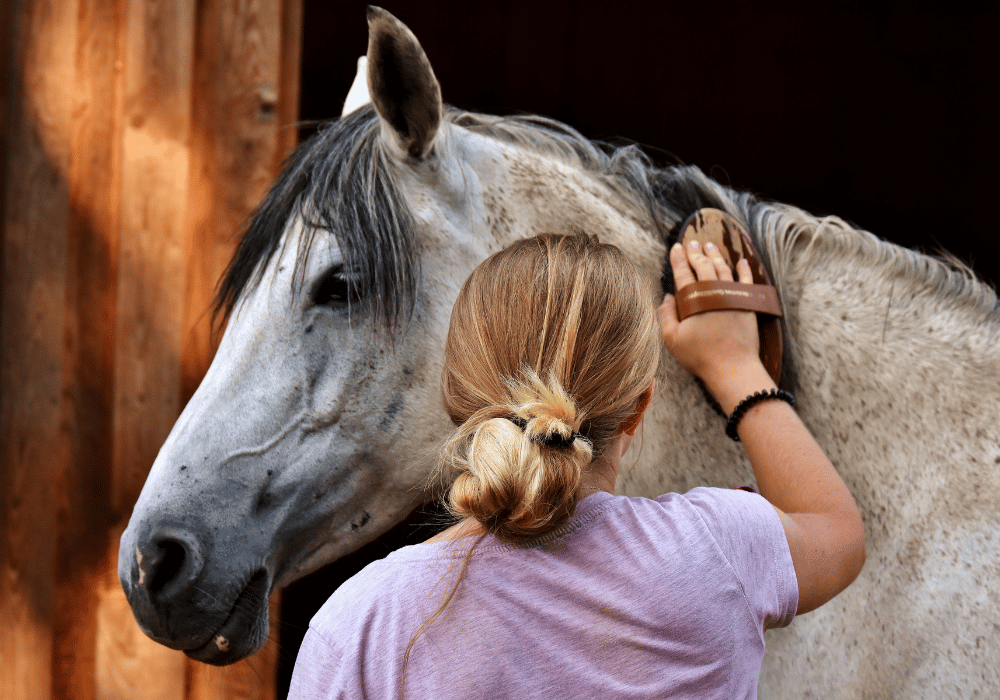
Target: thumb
{"points": [[668, 318]]}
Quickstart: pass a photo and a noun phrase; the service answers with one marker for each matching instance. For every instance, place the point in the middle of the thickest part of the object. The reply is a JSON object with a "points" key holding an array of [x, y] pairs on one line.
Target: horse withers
{"points": [[316, 427]]}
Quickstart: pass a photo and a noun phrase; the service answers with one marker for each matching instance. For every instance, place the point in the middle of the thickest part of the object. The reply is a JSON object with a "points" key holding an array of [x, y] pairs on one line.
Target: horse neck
{"points": [[528, 189]]}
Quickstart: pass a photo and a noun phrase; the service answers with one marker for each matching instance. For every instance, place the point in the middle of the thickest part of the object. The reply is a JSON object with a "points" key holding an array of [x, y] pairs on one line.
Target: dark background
{"points": [[881, 113]]}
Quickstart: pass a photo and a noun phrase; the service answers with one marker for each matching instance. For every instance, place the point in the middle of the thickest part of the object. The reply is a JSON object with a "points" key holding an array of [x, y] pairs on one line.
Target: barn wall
{"points": [[137, 135]]}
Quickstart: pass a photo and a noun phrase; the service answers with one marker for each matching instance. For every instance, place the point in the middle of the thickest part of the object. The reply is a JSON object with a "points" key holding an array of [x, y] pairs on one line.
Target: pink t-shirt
{"points": [[633, 598]]}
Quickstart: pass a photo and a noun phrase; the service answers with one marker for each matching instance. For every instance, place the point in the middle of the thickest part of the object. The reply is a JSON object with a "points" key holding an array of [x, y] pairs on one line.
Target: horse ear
{"points": [[402, 85]]}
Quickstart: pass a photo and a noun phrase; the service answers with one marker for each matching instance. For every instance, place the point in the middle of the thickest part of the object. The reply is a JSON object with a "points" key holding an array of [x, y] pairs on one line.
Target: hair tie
{"points": [[518, 421], [553, 440]]}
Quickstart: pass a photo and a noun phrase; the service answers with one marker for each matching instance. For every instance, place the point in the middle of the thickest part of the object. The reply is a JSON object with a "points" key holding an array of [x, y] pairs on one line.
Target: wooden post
{"points": [[158, 63], [238, 142], [94, 179]]}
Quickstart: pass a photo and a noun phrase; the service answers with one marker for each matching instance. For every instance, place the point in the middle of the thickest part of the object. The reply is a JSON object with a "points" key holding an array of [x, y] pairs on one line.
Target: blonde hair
{"points": [[558, 334]]}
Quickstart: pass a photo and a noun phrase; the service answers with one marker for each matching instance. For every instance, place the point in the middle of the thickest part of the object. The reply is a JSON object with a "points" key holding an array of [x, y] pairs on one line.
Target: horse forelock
{"points": [[340, 182]]}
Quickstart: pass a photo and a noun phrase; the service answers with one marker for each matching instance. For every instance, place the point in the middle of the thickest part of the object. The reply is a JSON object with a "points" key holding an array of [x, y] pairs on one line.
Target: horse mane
{"points": [[669, 195], [341, 182], [792, 236]]}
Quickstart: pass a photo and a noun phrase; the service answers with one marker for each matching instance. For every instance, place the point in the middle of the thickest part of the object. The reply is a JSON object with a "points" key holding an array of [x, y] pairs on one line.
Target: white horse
{"points": [[315, 428]]}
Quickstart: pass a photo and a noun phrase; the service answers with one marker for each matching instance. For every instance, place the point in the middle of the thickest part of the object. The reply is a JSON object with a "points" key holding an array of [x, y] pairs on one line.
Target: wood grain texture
{"points": [[137, 135], [234, 152], [88, 370], [158, 68], [10, 16], [31, 343], [291, 78]]}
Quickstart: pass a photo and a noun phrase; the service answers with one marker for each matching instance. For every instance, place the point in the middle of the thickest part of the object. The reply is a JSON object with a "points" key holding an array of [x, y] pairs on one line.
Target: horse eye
{"points": [[335, 288]]}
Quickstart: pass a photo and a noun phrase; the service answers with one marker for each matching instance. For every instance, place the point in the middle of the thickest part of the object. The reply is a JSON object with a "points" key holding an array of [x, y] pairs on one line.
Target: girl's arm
{"points": [[821, 520]]}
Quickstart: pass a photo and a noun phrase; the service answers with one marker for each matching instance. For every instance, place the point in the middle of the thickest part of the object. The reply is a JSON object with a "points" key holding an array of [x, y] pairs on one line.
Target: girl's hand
{"points": [[716, 344]]}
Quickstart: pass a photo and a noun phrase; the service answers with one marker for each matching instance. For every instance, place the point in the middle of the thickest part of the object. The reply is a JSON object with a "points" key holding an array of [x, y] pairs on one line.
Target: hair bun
{"points": [[519, 471], [521, 474]]}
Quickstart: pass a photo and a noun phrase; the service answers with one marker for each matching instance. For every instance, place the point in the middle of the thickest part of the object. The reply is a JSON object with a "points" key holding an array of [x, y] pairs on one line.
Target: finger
{"points": [[668, 319], [722, 269], [743, 271], [683, 276], [704, 269]]}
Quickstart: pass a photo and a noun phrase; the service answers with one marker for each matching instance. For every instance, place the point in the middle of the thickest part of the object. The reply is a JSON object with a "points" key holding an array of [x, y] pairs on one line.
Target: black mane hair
{"points": [[340, 182]]}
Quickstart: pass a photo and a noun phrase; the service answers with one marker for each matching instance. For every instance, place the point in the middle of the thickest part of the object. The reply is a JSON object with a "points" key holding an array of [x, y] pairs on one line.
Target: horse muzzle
{"points": [[217, 621]]}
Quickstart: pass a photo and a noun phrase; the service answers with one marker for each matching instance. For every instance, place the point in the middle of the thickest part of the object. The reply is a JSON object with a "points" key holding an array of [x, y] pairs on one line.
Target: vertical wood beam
{"points": [[235, 151], [291, 79], [156, 131], [157, 128], [31, 339], [88, 370], [10, 17]]}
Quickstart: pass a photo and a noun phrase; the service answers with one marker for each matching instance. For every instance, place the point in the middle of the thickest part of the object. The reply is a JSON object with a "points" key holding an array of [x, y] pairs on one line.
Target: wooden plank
{"points": [[202, 239], [31, 341], [88, 372], [158, 66], [10, 16], [235, 151], [291, 77]]}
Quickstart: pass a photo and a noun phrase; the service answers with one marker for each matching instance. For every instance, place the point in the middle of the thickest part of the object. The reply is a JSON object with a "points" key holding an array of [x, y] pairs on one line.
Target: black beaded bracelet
{"points": [[743, 406]]}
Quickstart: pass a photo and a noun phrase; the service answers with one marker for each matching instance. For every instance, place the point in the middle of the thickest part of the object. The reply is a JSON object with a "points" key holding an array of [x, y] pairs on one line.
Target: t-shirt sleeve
{"points": [[315, 674], [326, 667], [751, 537], [350, 628]]}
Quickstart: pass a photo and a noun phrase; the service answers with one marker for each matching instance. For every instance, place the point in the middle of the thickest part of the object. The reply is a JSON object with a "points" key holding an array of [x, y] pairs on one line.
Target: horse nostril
{"points": [[170, 560]]}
